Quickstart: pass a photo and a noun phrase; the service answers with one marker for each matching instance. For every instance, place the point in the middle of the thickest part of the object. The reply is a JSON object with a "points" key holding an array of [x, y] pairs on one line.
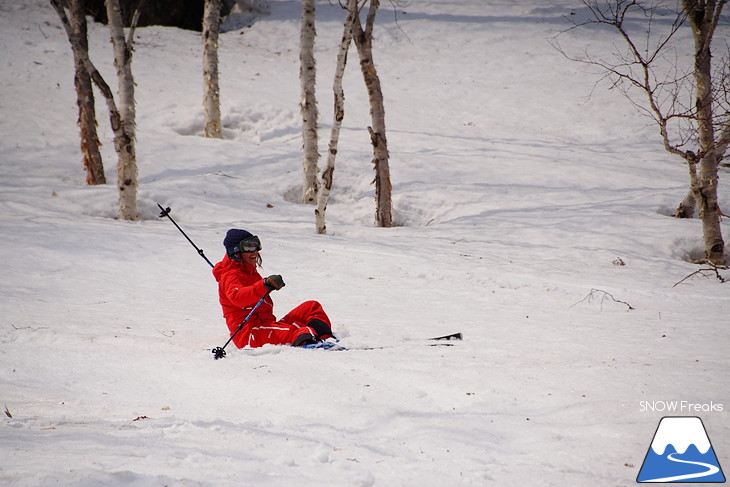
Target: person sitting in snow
{"points": [[240, 287]]}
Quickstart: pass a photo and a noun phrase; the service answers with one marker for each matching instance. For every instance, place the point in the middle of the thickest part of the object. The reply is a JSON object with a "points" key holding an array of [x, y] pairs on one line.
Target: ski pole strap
{"points": [[166, 212], [220, 352]]}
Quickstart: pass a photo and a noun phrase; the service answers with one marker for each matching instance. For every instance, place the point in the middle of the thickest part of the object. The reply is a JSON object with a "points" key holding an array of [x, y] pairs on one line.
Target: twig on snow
{"points": [[603, 295], [707, 273], [17, 328]]}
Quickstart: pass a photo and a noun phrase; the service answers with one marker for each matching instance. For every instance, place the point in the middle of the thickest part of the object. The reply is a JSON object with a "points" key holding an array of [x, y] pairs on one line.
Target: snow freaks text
{"points": [[680, 407]]}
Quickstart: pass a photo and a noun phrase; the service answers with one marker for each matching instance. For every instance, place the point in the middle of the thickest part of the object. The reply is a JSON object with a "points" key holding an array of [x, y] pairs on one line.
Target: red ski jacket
{"points": [[240, 287]]}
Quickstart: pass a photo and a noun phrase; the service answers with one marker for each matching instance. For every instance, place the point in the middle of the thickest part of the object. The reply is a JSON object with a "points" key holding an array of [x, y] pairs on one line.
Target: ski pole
{"points": [[166, 212], [219, 352]]}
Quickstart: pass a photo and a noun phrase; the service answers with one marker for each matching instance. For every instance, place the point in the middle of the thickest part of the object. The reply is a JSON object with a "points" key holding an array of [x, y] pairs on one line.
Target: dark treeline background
{"points": [[186, 14]]}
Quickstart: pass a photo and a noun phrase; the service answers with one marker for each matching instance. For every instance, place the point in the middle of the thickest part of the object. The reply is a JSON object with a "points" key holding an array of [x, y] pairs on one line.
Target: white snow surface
{"points": [[519, 189]]}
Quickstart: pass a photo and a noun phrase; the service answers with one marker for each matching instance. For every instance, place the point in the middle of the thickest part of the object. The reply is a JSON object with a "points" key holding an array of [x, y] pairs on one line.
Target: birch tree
{"points": [[122, 119], [704, 16], [211, 101], [307, 77], [690, 110], [77, 33], [339, 114], [124, 137], [363, 37]]}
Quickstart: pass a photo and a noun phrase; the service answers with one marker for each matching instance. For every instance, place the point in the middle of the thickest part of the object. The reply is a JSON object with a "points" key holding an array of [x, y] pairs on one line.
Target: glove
{"points": [[274, 283]]}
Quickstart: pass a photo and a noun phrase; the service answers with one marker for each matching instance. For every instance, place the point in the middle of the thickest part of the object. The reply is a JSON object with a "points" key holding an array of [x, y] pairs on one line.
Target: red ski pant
{"points": [[286, 330]]}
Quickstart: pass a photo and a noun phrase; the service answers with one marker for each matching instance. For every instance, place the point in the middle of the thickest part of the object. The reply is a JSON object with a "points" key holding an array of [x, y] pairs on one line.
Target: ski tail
{"points": [[453, 336]]}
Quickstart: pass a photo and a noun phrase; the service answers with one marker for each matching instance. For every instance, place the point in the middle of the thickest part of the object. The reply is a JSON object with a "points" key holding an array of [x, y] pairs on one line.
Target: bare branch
{"points": [[716, 16], [133, 25], [637, 69], [707, 273], [603, 297]]}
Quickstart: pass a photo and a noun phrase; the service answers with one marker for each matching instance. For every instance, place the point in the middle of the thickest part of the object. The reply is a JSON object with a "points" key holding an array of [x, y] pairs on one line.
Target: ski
{"points": [[453, 336], [334, 345]]}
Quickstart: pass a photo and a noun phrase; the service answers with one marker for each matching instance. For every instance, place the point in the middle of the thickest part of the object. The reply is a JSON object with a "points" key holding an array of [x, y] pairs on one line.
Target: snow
{"points": [[531, 209]]}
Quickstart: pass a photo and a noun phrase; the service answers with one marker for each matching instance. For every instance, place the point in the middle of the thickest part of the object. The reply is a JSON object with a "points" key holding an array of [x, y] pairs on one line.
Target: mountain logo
{"points": [[681, 452]]}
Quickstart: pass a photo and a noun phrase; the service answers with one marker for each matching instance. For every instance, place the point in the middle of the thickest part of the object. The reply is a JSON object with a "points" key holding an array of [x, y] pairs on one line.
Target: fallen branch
{"points": [[603, 295], [707, 273], [34, 328]]}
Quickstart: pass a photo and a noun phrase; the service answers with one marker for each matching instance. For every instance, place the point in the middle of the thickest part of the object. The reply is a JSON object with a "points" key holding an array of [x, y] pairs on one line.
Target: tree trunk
{"points": [[77, 36], [211, 102], [363, 41], [90, 144], [339, 115], [307, 76], [701, 16], [124, 142], [688, 207]]}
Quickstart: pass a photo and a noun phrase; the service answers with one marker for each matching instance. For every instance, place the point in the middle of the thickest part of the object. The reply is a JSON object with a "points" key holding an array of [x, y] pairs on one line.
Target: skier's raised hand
{"points": [[274, 282]]}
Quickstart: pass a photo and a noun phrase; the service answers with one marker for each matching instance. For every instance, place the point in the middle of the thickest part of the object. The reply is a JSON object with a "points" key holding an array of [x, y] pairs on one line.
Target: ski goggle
{"points": [[248, 245]]}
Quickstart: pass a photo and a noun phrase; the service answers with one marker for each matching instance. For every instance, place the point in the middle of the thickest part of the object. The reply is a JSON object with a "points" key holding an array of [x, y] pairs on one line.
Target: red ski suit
{"points": [[240, 287]]}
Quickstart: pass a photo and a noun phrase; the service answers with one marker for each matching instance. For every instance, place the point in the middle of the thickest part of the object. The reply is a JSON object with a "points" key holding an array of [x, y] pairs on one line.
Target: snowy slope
{"points": [[517, 188]]}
